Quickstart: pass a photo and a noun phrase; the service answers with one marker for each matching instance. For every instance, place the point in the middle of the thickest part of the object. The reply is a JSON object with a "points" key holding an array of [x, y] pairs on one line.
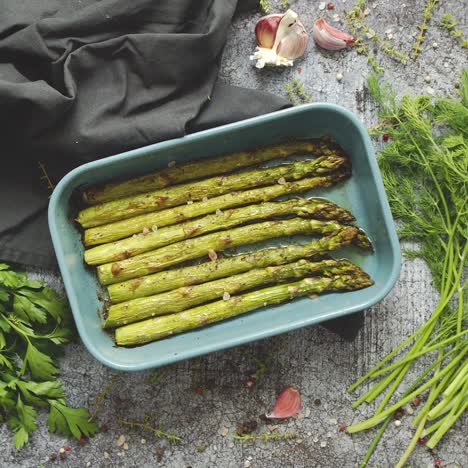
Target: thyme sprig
{"points": [[365, 36], [296, 92], [449, 23], [264, 436], [157, 431], [423, 27], [264, 6]]}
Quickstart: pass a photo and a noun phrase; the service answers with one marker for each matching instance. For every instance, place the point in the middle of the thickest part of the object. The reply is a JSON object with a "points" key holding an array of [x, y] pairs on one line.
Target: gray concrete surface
{"points": [[318, 363]]}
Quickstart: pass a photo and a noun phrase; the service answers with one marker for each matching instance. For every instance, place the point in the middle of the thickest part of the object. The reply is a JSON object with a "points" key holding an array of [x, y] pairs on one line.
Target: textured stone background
{"points": [[317, 362]]}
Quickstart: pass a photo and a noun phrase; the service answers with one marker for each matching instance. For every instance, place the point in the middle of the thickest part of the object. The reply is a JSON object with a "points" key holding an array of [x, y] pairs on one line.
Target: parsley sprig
{"points": [[425, 172], [34, 323]]}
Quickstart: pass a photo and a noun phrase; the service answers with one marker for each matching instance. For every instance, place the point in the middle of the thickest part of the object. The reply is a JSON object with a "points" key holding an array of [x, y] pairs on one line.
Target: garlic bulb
{"points": [[330, 38], [280, 38]]}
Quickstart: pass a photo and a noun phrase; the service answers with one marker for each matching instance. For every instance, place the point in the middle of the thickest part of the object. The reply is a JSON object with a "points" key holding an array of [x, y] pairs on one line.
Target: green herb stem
{"points": [[371, 422]]}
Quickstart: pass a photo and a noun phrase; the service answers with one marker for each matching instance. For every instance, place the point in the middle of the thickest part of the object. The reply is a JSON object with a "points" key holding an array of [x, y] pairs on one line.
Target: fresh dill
{"points": [[285, 4], [424, 167]]}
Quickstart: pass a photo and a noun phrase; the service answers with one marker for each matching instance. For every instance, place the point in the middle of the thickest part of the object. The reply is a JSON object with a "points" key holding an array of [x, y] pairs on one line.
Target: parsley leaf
{"points": [[22, 423], [34, 323], [41, 365], [66, 420]]}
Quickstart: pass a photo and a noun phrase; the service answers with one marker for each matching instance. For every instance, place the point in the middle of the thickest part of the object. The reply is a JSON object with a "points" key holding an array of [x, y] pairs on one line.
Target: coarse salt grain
{"points": [[125, 446], [154, 228], [323, 444], [212, 255], [226, 296], [106, 455], [145, 231], [171, 164], [307, 412], [322, 5], [336, 18], [370, 34], [121, 441], [430, 90], [397, 423], [339, 76], [205, 199], [219, 212], [366, 12], [281, 181], [189, 202]]}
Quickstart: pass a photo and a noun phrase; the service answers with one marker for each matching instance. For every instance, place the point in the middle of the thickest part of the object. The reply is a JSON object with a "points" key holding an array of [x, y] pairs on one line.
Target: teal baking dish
{"points": [[363, 194]]}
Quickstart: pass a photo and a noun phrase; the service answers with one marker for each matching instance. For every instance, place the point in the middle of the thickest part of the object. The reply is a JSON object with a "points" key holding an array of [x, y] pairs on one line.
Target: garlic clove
{"points": [[265, 30], [280, 38], [294, 44], [287, 404], [330, 38]]}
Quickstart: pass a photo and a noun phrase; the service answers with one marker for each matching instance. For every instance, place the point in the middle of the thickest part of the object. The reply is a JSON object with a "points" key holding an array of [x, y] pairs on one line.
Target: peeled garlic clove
{"points": [[287, 404], [330, 38], [265, 30]]}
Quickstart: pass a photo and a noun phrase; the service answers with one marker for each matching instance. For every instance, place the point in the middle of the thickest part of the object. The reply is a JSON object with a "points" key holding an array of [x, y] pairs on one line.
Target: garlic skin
{"points": [[265, 30], [286, 405], [281, 39], [330, 38]]}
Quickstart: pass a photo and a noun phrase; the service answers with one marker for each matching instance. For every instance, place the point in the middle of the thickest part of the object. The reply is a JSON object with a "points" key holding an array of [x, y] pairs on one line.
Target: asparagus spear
{"points": [[204, 168], [125, 228], [161, 327], [180, 194], [159, 259], [190, 296], [208, 271], [150, 240]]}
